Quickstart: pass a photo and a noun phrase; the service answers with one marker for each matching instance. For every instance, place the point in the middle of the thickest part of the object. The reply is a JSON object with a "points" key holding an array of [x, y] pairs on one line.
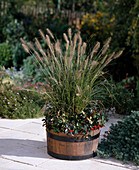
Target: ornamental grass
{"points": [[73, 76]]}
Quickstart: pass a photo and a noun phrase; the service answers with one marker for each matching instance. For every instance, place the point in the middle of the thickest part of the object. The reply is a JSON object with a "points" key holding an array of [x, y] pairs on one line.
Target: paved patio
{"points": [[23, 147]]}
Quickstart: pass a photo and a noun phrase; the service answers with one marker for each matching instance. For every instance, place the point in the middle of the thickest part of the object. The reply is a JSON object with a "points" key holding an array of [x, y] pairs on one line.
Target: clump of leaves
{"points": [[122, 141], [90, 119]]}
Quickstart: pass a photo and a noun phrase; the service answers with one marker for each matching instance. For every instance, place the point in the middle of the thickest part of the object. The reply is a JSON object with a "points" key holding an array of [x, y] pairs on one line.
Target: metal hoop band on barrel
{"points": [[72, 148], [71, 139], [69, 157]]}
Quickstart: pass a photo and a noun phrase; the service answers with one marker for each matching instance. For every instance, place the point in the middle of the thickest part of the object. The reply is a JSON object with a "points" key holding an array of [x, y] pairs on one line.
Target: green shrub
{"points": [[122, 140], [123, 29], [31, 70], [12, 32], [97, 27], [125, 35], [123, 99], [16, 103], [119, 97], [57, 23], [6, 52], [18, 56]]}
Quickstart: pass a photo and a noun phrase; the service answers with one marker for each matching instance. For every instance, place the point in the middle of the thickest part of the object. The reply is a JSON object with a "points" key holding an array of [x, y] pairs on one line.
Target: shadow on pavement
{"points": [[23, 148]]}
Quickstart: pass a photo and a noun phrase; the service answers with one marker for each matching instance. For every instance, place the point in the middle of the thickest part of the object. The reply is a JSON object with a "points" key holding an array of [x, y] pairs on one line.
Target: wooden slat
{"points": [[72, 148]]}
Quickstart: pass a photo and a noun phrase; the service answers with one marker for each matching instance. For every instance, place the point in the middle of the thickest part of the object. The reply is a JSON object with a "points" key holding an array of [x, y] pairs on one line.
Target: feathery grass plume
{"points": [[74, 44], [67, 46], [105, 49], [46, 60], [86, 62], [48, 41], [71, 48], [111, 57], [22, 40], [104, 59], [37, 43], [75, 41], [66, 53], [79, 74], [57, 47], [94, 63], [112, 54], [79, 49], [95, 49], [107, 41], [38, 56], [52, 49], [79, 89], [83, 48], [107, 62], [50, 45], [44, 55], [80, 39], [71, 53], [118, 54], [65, 37], [50, 33], [49, 55], [42, 35], [69, 33], [26, 48], [31, 46]]}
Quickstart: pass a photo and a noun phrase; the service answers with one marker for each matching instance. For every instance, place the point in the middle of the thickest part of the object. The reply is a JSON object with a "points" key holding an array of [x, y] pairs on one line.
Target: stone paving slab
{"points": [[26, 148], [23, 146], [33, 128], [115, 162], [3, 130], [4, 163], [89, 164], [11, 124], [13, 165]]}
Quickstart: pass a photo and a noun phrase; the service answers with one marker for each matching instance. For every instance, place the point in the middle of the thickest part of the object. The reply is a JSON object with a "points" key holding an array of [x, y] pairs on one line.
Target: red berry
{"points": [[71, 131]]}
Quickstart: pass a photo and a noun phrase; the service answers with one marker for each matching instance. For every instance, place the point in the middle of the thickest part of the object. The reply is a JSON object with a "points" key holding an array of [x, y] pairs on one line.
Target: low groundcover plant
{"points": [[73, 79], [122, 140]]}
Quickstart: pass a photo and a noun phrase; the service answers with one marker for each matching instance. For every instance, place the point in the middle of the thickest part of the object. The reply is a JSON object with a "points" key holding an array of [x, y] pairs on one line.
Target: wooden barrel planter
{"points": [[63, 146]]}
